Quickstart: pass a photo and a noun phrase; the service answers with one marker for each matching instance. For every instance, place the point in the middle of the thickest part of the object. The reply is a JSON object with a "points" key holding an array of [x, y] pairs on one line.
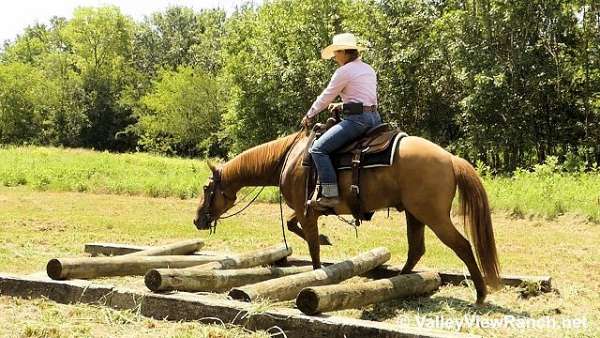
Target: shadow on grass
{"points": [[433, 305]]}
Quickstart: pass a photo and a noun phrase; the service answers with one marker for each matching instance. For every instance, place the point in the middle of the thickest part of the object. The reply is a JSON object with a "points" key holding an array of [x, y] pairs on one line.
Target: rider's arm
{"points": [[338, 81]]}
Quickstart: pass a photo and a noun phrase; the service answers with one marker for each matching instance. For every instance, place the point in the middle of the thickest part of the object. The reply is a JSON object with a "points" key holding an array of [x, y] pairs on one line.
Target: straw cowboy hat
{"points": [[341, 42]]}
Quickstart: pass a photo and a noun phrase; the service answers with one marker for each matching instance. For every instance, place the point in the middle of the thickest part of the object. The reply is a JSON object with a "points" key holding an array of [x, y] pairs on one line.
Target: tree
{"points": [[181, 114], [100, 40]]}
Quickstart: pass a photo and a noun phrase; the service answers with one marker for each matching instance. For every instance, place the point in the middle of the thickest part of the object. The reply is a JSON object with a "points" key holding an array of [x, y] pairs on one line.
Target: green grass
{"points": [[80, 170], [57, 169], [37, 226], [545, 191]]}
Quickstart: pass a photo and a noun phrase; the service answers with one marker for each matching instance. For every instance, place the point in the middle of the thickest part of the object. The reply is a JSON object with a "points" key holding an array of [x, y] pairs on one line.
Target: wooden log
{"points": [[383, 271], [285, 288], [214, 280], [183, 279], [254, 258], [178, 248], [111, 249], [319, 299], [448, 277], [93, 267], [115, 249]]}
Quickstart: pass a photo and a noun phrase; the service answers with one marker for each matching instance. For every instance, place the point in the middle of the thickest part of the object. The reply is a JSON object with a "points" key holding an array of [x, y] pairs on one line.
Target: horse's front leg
{"points": [[311, 235], [292, 225]]}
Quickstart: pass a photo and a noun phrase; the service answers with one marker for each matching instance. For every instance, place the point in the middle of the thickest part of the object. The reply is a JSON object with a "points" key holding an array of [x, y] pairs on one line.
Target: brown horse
{"points": [[421, 182]]}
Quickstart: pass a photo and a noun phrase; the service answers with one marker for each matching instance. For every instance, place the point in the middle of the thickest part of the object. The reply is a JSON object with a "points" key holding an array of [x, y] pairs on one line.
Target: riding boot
{"points": [[325, 203], [329, 197]]}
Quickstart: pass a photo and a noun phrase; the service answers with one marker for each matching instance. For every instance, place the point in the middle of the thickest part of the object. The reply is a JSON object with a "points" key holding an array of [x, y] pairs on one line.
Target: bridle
{"points": [[215, 182]]}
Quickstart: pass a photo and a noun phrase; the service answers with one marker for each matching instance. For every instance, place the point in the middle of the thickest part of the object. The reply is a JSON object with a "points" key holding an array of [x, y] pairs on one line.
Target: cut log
{"points": [[383, 271], [183, 279], [178, 248], [93, 267], [319, 299], [214, 280], [255, 258], [285, 288], [111, 249]]}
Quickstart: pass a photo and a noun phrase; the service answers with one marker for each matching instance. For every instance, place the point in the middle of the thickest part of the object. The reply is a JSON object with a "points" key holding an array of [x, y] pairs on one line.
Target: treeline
{"points": [[504, 82]]}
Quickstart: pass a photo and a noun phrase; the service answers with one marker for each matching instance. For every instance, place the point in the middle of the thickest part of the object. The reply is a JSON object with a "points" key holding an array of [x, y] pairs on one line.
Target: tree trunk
{"points": [[93, 267], [285, 288], [172, 279], [319, 299], [214, 280]]}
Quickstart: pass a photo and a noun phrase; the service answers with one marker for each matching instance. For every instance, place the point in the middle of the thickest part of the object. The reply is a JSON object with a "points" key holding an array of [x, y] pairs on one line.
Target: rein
{"points": [[247, 205], [216, 179]]}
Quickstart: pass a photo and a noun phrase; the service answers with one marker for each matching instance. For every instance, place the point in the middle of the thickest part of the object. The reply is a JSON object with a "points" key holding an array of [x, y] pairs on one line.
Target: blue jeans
{"points": [[349, 129]]}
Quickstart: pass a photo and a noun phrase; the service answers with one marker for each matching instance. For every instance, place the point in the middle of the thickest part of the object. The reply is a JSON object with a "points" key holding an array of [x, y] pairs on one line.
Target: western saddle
{"points": [[375, 141]]}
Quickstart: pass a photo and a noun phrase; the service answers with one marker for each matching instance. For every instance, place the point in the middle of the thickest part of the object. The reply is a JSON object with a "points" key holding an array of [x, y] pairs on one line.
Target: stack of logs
{"points": [[250, 276]]}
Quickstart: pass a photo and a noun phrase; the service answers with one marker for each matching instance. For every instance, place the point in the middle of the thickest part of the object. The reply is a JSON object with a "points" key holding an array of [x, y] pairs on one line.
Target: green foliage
{"points": [[26, 101], [179, 37], [272, 66], [505, 83], [100, 40], [180, 113]]}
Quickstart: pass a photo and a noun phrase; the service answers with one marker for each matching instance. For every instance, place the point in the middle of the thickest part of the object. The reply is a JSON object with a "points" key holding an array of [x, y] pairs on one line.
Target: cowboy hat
{"points": [[340, 42]]}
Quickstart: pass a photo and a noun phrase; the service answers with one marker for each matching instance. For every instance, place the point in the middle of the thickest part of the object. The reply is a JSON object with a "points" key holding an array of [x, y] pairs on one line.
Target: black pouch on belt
{"points": [[352, 108]]}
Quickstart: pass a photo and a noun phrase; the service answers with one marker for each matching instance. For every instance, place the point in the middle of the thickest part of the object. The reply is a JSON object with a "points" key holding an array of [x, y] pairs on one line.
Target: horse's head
{"points": [[214, 202]]}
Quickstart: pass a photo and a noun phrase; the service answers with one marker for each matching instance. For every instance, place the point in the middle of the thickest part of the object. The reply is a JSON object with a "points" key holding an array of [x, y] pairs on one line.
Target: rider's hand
{"points": [[335, 106], [307, 121]]}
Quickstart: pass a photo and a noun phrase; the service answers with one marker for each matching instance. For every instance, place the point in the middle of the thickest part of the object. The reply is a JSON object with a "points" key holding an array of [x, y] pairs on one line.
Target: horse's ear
{"points": [[211, 166]]}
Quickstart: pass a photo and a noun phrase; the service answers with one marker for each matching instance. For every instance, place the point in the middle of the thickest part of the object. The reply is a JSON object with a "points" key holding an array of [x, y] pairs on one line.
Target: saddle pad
{"points": [[380, 159]]}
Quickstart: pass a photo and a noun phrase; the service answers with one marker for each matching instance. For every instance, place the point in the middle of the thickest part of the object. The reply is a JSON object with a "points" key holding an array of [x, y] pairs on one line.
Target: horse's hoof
{"points": [[324, 240]]}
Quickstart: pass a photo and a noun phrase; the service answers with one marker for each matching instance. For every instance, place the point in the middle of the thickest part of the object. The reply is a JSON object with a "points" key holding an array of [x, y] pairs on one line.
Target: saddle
{"points": [[376, 148]]}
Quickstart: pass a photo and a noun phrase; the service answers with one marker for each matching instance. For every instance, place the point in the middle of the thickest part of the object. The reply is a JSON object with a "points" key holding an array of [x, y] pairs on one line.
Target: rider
{"points": [[356, 83]]}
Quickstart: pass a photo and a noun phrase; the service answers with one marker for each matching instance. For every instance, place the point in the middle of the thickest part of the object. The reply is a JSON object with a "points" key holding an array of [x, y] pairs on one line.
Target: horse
{"points": [[422, 182]]}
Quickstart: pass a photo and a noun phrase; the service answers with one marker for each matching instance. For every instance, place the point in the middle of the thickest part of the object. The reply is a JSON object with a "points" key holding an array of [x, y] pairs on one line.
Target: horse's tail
{"points": [[475, 209]]}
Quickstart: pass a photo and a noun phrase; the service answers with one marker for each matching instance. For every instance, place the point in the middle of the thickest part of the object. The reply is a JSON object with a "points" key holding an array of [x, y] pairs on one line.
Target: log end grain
{"points": [[239, 294], [308, 301], [153, 280], [54, 269]]}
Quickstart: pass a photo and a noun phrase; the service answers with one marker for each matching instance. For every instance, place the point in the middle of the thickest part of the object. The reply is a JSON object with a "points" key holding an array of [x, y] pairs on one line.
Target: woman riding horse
{"points": [[422, 181], [356, 83]]}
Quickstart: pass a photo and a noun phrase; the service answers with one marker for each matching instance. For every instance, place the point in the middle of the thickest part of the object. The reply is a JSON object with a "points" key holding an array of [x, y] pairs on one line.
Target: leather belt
{"points": [[370, 109]]}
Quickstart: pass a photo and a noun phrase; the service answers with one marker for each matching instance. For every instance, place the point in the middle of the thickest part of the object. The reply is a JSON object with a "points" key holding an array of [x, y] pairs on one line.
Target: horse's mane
{"points": [[258, 163]]}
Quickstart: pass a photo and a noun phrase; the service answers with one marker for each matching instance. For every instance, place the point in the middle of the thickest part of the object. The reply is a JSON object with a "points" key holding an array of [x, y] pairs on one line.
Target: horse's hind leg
{"points": [[415, 232], [447, 233]]}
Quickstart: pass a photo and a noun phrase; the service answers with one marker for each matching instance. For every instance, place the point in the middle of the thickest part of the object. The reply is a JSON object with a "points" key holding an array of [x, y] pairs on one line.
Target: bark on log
{"points": [[183, 279], [92, 267], [319, 299], [285, 288], [214, 280], [178, 248]]}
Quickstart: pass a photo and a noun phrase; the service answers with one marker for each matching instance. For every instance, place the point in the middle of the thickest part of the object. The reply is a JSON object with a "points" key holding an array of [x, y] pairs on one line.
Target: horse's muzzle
{"points": [[202, 223]]}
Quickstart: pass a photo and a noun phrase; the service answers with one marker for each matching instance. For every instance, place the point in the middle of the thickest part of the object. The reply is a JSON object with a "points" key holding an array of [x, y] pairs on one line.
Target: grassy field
{"points": [[545, 191], [39, 225]]}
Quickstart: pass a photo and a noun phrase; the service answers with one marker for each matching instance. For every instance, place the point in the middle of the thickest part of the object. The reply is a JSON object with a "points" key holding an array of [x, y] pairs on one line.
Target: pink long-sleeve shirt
{"points": [[354, 82]]}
